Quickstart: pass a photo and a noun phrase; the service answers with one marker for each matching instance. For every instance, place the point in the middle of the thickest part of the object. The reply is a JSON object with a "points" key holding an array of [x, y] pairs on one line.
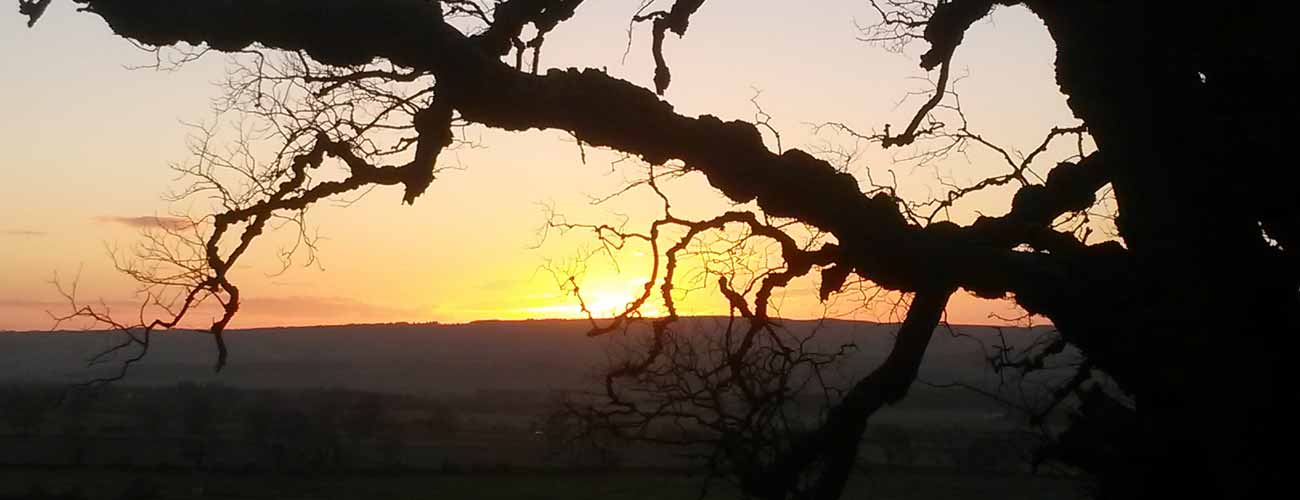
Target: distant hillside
{"points": [[431, 358]]}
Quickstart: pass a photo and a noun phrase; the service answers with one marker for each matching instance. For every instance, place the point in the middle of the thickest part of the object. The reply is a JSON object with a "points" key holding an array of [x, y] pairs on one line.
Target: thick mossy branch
{"points": [[878, 242], [1182, 102], [336, 32], [676, 20], [837, 442], [605, 111], [511, 16], [947, 27], [33, 9]]}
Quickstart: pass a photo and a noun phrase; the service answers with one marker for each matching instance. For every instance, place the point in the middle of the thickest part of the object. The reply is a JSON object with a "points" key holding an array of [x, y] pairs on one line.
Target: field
{"points": [[425, 412], [886, 484]]}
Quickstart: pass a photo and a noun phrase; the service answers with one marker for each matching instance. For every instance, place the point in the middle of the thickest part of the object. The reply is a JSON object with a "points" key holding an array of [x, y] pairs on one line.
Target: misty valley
{"points": [[474, 410]]}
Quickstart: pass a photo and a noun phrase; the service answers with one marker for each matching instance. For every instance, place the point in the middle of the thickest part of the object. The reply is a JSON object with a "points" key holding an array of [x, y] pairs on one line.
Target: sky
{"points": [[88, 142]]}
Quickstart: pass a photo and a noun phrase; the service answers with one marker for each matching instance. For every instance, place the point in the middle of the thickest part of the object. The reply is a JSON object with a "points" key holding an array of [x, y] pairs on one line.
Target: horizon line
{"points": [[500, 320]]}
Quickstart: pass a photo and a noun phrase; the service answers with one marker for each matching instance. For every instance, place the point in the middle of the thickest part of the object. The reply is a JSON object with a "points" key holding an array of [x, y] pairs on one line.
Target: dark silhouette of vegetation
{"points": [[26, 408], [1191, 310]]}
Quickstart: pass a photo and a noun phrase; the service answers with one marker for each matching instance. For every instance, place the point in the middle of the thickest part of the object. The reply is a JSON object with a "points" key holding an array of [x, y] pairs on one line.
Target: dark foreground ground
{"points": [[427, 412], [893, 483]]}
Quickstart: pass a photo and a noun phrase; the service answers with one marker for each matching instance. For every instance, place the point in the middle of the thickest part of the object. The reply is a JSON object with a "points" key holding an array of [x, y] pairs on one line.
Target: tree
{"points": [[75, 411], [440, 421], [260, 432], [363, 421], [198, 417], [147, 413], [1191, 310], [25, 408], [896, 443]]}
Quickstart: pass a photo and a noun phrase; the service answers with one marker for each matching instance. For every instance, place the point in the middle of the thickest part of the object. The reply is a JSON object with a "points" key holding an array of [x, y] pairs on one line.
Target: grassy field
{"points": [[112, 485]]}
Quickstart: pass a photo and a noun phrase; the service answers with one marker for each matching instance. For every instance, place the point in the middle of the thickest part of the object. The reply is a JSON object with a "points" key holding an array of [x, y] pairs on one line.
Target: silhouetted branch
{"points": [[675, 19], [33, 9], [509, 18], [1171, 114]]}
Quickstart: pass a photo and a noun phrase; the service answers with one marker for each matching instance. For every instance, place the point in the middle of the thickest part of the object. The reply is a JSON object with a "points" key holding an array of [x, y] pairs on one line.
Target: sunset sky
{"points": [[87, 142]]}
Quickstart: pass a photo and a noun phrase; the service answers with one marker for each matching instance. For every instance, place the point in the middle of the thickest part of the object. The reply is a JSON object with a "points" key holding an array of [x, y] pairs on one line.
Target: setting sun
{"points": [[891, 248]]}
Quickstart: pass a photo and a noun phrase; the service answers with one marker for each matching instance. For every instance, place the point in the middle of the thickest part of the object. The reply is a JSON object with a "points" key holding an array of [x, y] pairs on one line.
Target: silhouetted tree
{"points": [[198, 420], [440, 421], [1191, 309], [896, 443], [565, 439], [365, 416], [25, 408], [75, 411], [392, 450], [259, 430], [147, 413], [321, 438]]}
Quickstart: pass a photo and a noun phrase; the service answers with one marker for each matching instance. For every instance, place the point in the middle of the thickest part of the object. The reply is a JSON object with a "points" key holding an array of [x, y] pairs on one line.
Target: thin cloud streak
{"points": [[28, 233], [20, 314], [148, 222]]}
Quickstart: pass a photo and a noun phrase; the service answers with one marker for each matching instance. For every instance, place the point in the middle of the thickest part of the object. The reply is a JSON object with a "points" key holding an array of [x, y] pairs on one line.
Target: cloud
{"points": [[305, 307], [11, 302], [148, 222], [503, 284], [27, 233], [33, 314]]}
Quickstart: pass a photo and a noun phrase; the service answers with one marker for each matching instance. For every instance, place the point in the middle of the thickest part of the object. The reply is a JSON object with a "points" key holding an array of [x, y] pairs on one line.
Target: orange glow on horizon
{"points": [[80, 171]]}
